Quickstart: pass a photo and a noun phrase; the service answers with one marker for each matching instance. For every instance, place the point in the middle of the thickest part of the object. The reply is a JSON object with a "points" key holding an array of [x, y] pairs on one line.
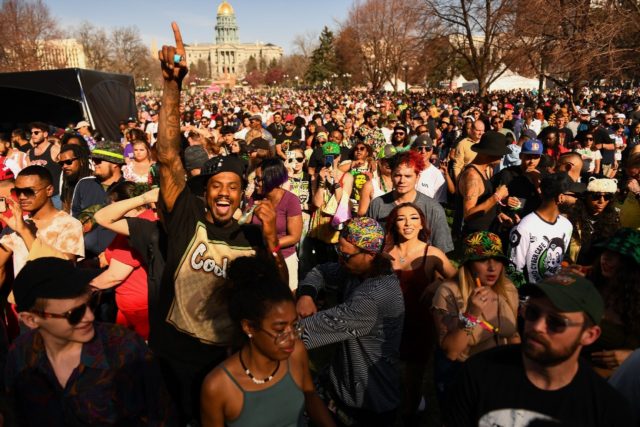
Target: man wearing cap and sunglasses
{"points": [[431, 182], [107, 158], [68, 370], [541, 381], [192, 331]]}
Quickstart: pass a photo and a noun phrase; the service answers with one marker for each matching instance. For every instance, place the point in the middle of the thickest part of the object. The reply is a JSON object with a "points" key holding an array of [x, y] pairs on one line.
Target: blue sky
{"points": [[269, 21]]}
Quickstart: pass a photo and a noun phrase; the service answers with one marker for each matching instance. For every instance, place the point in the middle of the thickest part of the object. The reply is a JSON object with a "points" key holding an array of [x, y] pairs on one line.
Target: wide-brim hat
{"points": [[626, 242], [492, 144], [483, 245]]}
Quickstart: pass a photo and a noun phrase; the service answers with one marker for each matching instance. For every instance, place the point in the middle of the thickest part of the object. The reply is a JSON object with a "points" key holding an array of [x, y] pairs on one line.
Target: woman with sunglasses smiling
{"points": [[595, 218], [267, 382]]}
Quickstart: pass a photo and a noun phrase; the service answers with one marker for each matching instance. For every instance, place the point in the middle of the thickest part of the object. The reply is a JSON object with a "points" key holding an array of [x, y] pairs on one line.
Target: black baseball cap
{"points": [[260, 144], [51, 278], [214, 166], [423, 140]]}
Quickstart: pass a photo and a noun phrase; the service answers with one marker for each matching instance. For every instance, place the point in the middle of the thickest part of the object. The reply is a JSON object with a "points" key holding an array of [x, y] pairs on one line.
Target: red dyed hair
{"points": [[409, 158]]}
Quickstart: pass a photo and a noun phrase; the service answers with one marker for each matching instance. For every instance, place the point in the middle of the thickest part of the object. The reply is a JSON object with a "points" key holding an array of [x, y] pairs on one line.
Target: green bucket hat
{"points": [[329, 148], [386, 152], [626, 241], [481, 245]]}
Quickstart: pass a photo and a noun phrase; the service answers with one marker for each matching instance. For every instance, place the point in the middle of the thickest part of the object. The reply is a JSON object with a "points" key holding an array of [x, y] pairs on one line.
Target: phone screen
{"points": [[328, 160]]}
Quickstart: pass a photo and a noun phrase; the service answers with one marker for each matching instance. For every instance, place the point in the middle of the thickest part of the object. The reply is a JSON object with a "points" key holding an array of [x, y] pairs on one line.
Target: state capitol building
{"points": [[227, 58]]}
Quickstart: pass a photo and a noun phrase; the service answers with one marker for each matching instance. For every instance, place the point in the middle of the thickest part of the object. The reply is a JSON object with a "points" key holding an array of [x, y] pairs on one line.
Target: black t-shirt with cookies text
{"points": [[194, 322]]}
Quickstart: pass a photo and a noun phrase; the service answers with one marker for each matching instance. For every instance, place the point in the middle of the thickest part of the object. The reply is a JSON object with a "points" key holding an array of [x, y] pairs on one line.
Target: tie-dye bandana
{"points": [[364, 233]]}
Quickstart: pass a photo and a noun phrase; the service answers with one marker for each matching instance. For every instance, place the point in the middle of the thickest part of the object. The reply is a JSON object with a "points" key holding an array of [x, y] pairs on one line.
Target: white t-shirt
{"points": [[152, 131], [589, 158], [537, 247], [387, 133], [431, 183]]}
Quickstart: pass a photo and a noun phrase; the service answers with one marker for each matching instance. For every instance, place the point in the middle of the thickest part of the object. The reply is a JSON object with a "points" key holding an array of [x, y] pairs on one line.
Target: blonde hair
{"points": [[466, 284]]}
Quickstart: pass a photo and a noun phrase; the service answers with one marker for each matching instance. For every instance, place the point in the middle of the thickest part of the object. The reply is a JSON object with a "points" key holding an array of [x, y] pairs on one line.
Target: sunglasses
{"points": [[26, 191], [297, 159], [597, 196], [68, 162], [589, 139], [96, 161], [76, 314], [424, 149], [361, 148], [556, 324], [400, 133], [36, 132], [345, 256]]}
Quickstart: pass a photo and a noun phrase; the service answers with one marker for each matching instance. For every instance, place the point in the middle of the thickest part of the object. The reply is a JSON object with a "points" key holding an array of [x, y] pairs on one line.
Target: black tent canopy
{"points": [[68, 95]]}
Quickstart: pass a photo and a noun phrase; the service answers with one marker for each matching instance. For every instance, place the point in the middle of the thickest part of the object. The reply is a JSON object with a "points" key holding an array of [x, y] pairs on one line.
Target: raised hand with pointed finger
{"points": [[173, 59]]}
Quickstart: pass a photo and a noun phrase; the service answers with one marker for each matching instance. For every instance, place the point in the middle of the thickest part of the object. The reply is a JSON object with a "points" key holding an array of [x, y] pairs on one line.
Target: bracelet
{"points": [[498, 200], [275, 250], [468, 322]]}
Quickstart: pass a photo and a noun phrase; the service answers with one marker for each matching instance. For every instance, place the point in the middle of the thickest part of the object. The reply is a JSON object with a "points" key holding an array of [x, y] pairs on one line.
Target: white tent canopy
{"points": [[507, 81]]}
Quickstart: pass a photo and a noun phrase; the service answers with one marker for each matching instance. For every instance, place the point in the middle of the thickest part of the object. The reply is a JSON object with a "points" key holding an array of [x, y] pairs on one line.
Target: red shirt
{"points": [[132, 294]]}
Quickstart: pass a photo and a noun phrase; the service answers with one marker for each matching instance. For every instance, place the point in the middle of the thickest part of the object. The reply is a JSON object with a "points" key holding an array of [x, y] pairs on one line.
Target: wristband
{"points": [[483, 323], [467, 322], [498, 200], [275, 251]]}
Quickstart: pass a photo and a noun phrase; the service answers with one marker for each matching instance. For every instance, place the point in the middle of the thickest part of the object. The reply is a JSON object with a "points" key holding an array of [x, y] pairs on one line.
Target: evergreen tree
{"points": [[252, 64], [323, 59]]}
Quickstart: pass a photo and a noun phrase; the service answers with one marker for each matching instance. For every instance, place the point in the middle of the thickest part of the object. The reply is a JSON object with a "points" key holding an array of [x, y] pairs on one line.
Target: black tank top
{"points": [[46, 161], [485, 221]]}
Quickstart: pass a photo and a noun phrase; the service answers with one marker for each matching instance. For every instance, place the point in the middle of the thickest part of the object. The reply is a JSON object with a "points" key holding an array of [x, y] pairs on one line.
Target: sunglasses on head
{"points": [[67, 162], [556, 324], [597, 196], [76, 314]]}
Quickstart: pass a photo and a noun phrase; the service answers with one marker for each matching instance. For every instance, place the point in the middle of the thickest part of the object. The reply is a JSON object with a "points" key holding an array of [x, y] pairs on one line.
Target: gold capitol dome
{"points": [[225, 9]]}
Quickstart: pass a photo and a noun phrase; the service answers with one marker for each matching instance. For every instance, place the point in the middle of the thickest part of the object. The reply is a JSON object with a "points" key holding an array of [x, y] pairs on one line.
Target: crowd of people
{"points": [[325, 258]]}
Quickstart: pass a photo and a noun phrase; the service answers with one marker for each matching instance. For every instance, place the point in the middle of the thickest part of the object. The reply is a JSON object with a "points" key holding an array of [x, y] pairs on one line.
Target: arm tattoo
{"points": [[172, 173]]}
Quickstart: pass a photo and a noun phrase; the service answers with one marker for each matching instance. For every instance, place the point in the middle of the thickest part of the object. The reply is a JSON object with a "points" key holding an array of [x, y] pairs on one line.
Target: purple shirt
{"points": [[288, 206]]}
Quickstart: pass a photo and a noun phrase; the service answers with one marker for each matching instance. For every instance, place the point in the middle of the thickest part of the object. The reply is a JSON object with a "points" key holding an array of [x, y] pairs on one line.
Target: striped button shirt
{"points": [[367, 323]]}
